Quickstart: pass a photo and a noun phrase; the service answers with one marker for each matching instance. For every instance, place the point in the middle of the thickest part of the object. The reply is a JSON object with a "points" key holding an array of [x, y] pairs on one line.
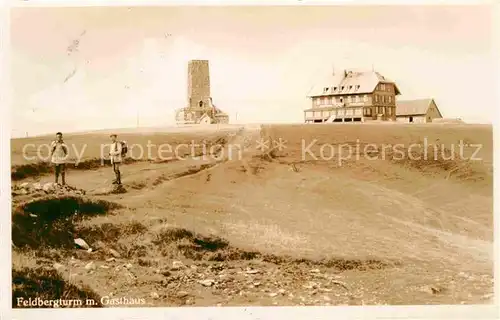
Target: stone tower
{"points": [[198, 84], [200, 109]]}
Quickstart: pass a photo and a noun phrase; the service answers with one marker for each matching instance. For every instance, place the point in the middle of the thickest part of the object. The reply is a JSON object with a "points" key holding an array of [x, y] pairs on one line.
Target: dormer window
{"points": [[334, 89], [342, 87], [350, 87], [357, 87], [325, 90]]}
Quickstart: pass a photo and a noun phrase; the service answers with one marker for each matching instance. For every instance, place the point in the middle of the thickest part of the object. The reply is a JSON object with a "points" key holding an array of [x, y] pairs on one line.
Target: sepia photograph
{"points": [[245, 156]]}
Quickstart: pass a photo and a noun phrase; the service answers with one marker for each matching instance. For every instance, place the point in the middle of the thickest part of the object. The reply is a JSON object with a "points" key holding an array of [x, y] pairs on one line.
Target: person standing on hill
{"points": [[59, 153], [116, 158]]}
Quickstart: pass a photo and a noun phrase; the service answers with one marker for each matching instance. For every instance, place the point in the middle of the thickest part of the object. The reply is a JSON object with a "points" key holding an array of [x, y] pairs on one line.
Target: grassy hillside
{"points": [[376, 221]]}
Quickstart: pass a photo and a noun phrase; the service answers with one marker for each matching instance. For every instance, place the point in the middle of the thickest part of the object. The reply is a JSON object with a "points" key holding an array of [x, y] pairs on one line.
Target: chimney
{"points": [[345, 73]]}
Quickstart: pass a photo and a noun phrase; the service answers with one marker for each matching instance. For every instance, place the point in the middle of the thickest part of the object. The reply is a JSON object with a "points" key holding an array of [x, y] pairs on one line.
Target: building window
{"points": [[325, 90], [341, 100], [382, 86], [342, 88], [367, 112], [365, 98], [318, 101], [376, 98], [334, 89], [389, 111], [390, 99], [350, 87], [349, 99]]}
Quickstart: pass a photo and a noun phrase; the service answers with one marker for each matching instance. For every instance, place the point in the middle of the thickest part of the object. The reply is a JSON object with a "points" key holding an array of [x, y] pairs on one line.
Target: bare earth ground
{"points": [[271, 228]]}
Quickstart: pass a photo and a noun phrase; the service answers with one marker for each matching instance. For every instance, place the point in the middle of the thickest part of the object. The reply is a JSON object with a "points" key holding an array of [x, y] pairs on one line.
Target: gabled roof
{"points": [[219, 112], [414, 107], [355, 82], [204, 116]]}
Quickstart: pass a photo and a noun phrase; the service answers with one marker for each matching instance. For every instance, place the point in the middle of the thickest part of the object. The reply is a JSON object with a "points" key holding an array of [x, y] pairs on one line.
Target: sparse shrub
{"points": [[50, 222], [47, 285]]}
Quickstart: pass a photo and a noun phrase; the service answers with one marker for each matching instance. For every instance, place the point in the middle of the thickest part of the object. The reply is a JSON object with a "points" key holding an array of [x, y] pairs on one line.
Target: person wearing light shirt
{"points": [[115, 154], [59, 154]]}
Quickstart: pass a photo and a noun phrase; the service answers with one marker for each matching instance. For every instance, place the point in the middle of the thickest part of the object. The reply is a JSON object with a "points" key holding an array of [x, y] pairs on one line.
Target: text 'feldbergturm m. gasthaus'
{"points": [[353, 96]]}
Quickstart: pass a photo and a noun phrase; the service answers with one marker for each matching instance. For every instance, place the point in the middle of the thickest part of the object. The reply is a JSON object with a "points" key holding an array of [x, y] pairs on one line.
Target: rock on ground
{"points": [[82, 244], [26, 188]]}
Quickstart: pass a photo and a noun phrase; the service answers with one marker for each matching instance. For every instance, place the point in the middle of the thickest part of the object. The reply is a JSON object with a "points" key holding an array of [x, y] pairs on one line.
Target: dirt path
{"points": [[135, 176]]}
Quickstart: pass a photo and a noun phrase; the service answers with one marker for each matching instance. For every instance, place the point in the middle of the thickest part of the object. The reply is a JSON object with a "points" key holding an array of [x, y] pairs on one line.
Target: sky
{"points": [[131, 63]]}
